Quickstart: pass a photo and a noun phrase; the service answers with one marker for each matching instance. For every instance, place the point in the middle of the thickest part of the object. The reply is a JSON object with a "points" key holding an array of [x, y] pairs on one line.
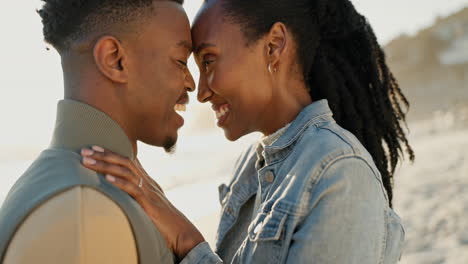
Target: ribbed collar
{"points": [[79, 125]]}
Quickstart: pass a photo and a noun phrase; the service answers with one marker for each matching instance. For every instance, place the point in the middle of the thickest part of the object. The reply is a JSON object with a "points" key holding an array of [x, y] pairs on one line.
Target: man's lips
{"points": [[181, 103], [183, 99]]}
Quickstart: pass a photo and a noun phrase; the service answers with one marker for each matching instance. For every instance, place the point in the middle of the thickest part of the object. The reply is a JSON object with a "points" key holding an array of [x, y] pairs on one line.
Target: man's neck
{"points": [[107, 106]]}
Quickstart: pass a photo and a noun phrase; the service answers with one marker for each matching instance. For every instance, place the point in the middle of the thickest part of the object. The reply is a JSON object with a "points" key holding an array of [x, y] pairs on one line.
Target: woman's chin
{"points": [[232, 135]]}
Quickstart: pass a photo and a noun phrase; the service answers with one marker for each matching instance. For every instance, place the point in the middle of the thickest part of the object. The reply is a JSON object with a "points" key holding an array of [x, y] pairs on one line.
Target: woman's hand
{"points": [[180, 234]]}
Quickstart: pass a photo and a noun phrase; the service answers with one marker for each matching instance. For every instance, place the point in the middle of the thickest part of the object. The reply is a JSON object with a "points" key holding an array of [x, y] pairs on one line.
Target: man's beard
{"points": [[170, 145]]}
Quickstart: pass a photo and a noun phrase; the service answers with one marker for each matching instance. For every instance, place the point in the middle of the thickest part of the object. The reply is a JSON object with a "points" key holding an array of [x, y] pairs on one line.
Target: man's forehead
{"points": [[185, 44]]}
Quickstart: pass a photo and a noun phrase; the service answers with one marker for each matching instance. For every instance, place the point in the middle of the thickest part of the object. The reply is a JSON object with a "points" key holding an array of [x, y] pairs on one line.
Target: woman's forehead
{"points": [[211, 26]]}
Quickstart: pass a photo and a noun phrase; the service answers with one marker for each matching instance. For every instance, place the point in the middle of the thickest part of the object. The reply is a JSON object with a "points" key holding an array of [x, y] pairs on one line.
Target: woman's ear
{"points": [[278, 43], [110, 58]]}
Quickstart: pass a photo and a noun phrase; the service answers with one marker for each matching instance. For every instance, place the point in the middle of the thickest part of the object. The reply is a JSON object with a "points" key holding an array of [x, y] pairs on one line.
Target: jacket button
{"points": [[229, 210], [269, 176]]}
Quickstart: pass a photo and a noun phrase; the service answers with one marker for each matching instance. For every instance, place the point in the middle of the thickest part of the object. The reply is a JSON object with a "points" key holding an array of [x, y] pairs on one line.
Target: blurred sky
{"points": [[31, 77]]}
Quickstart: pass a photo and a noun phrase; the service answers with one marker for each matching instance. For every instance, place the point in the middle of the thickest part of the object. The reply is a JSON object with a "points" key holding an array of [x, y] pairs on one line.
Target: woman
{"points": [[316, 188]]}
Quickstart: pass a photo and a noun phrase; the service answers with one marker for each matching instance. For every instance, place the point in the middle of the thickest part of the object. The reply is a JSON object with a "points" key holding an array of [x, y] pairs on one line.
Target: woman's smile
{"points": [[222, 113]]}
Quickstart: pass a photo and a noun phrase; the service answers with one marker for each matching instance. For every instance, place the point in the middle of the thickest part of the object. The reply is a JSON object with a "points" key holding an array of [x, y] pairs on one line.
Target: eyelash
{"points": [[182, 63], [207, 63]]}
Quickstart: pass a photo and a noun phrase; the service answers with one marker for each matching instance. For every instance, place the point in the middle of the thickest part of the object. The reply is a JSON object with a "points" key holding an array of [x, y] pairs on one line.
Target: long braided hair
{"points": [[342, 62]]}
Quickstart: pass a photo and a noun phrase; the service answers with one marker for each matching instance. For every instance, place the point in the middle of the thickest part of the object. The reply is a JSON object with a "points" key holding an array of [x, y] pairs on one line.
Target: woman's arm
{"points": [[346, 223]]}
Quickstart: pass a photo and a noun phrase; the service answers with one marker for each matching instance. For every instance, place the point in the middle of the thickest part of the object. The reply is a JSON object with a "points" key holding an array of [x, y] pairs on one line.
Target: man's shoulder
{"points": [[55, 162], [55, 168], [59, 202], [80, 219]]}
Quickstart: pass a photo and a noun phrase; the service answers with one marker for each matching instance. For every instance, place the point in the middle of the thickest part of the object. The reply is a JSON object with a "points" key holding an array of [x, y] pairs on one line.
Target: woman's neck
{"points": [[287, 102]]}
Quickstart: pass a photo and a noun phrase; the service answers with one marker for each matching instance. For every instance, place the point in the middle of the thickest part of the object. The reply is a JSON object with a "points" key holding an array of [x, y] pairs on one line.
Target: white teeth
{"points": [[221, 112], [180, 107]]}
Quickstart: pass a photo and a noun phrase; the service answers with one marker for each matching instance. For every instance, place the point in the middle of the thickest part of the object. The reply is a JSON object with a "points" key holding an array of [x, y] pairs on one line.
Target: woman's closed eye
{"points": [[207, 61]]}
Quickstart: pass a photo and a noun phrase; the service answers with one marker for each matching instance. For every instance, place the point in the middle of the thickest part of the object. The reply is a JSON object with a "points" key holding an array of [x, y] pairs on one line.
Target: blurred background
{"points": [[426, 42]]}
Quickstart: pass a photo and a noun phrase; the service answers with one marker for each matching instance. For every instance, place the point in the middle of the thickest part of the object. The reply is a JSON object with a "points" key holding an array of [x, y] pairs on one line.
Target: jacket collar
{"points": [[314, 113]]}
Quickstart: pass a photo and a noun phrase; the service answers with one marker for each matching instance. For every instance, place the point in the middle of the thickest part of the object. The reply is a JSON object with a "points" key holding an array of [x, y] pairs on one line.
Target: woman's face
{"points": [[234, 77]]}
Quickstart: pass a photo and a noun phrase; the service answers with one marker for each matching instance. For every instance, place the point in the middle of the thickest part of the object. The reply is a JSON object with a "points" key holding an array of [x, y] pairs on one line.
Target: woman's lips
{"points": [[222, 112]]}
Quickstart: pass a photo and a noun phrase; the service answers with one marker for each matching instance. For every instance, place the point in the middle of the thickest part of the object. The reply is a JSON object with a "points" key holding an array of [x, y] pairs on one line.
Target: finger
{"points": [[101, 154], [108, 168], [125, 186], [156, 191]]}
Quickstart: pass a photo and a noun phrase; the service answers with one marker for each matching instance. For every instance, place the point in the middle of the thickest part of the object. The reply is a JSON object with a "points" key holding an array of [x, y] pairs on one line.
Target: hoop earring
{"points": [[269, 68]]}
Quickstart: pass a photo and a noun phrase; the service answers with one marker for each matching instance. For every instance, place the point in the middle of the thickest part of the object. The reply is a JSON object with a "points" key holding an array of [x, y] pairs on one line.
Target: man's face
{"points": [[158, 75]]}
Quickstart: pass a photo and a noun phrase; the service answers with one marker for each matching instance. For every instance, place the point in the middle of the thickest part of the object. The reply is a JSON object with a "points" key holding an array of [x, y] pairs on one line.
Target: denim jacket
{"points": [[322, 200]]}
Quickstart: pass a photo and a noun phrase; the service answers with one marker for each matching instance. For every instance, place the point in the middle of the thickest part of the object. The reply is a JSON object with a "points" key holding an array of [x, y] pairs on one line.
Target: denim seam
{"points": [[379, 179], [322, 172], [343, 138], [384, 239], [313, 180], [241, 248], [286, 155], [297, 138], [301, 130]]}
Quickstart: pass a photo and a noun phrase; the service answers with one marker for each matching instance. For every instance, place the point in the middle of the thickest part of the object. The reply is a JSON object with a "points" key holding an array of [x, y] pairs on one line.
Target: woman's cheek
{"points": [[210, 78]]}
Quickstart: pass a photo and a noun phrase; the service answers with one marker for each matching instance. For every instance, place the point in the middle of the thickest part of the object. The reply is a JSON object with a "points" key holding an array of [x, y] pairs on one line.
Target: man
{"points": [[125, 73]]}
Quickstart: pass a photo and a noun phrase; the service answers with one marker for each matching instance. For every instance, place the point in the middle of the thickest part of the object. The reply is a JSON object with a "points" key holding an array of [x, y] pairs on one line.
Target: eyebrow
{"points": [[185, 44], [202, 46]]}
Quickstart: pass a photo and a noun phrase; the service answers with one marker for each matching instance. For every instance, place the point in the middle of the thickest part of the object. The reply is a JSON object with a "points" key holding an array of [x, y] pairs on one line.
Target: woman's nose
{"points": [[204, 92]]}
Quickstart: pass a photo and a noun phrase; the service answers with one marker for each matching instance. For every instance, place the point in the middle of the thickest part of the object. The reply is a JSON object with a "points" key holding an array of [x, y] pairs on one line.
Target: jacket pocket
{"points": [[267, 226]]}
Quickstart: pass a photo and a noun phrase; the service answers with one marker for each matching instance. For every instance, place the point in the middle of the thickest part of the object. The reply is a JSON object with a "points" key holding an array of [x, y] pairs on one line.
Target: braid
{"points": [[342, 62], [369, 97]]}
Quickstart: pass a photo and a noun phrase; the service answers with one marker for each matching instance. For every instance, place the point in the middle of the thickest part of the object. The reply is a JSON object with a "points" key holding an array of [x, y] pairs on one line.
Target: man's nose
{"points": [[189, 82]]}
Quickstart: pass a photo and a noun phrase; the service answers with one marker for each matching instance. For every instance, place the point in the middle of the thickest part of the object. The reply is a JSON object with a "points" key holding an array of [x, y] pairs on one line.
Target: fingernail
{"points": [[89, 161], [86, 152], [110, 178], [98, 149]]}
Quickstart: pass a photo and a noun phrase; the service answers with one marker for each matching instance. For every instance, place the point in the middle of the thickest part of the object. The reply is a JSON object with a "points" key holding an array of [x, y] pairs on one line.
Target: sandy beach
{"points": [[431, 196]]}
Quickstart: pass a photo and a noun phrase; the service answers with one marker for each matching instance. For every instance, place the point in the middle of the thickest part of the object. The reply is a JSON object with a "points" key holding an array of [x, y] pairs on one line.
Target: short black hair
{"points": [[341, 61], [65, 21]]}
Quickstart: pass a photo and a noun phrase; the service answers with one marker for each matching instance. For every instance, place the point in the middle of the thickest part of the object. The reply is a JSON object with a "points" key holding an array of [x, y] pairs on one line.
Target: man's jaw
{"points": [[169, 145]]}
